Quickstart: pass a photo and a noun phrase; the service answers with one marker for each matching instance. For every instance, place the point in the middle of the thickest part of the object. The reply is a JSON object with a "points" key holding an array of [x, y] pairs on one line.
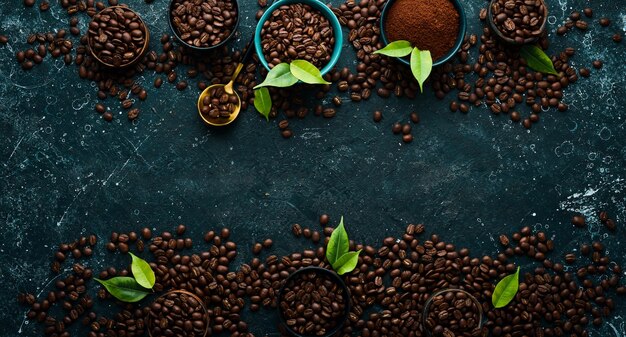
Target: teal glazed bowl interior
{"points": [[457, 44], [315, 4]]}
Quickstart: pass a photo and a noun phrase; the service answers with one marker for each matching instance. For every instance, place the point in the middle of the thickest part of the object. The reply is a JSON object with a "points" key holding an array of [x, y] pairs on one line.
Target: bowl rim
{"points": [[138, 56], [445, 290], [509, 40], [184, 43], [324, 10], [317, 270], [457, 43]]}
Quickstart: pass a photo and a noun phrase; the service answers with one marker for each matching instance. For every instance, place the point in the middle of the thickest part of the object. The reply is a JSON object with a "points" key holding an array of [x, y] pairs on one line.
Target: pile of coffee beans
{"points": [[56, 44], [518, 20], [178, 313], [312, 303], [297, 31], [453, 313], [218, 103], [203, 23], [117, 36], [388, 289]]}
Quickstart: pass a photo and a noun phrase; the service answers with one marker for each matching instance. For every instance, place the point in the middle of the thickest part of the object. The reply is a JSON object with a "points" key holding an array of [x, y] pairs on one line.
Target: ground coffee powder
{"points": [[428, 24]]}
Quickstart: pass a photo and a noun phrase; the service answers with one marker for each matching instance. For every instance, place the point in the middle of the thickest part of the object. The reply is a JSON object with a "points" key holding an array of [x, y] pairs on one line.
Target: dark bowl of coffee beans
{"points": [[178, 313], [117, 37], [435, 25], [203, 24], [313, 301], [298, 30], [518, 21], [453, 312]]}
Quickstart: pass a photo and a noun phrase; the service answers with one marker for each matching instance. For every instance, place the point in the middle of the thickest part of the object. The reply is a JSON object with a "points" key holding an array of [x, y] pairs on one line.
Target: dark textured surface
{"points": [[65, 172]]}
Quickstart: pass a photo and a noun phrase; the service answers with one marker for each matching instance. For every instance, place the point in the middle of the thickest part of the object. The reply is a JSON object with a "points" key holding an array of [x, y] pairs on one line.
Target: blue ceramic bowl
{"points": [[451, 52], [316, 4]]}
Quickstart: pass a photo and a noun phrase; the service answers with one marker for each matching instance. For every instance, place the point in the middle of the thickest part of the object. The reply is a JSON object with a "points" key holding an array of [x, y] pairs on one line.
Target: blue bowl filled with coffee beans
{"points": [[298, 30]]}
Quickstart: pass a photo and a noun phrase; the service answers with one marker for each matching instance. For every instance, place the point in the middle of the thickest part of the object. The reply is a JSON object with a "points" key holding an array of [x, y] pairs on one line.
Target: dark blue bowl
{"points": [[451, 52]]}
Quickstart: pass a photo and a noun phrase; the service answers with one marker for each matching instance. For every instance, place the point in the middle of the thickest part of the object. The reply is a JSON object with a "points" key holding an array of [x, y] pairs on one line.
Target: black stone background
{"points": [[65, 172]]}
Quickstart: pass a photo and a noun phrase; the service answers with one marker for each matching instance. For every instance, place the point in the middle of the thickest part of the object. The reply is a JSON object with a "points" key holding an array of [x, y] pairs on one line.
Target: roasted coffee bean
{"points": [[579, 221], [597, 64], [582, 25], [337, 101], [377, 116], [182, 85], [415, 118], [107, 116], [584, 72], [588, 12], [617, 37], [133, 114], [297, 31], [203, 24], [604, 22], [29, 3], [407, 138], [396, 128]]}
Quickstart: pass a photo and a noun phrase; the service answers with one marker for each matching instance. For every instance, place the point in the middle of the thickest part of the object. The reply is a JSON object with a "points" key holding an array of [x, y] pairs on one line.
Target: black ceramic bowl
{"points": [[509, 40], [192, 47], [457, 43], [319, 271]]}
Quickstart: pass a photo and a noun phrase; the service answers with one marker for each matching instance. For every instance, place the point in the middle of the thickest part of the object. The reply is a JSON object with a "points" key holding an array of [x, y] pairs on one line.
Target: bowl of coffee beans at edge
{"points": [[178, 313], [518, 21], [117, 37], [203, 25], [446, 55], [452, 312], [316, 5], [313, 301]]}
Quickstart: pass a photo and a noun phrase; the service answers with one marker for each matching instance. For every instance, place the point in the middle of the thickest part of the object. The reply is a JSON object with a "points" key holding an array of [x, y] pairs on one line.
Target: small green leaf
{"points": [[263, 102], [280, 76], [347, 262], [338, 245], [306, 72], [142, 272], [505, 290], [400, 48], [124, 288], [537, 59], [421, 65]]}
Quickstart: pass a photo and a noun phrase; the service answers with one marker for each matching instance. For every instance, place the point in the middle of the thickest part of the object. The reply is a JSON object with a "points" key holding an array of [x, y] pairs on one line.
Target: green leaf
{"points": [[338, 245], [142, 272], [537, 59], [347, 262], [306, 72], [124, 288], [398, 48], [505, 290], [263, 102], [421, 65], [280, 76]]}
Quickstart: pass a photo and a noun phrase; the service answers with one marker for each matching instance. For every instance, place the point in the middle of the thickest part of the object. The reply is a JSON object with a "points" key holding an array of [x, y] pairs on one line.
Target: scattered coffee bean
{"points": [[604, 22], [617, 38], [588, 12], [378, 116], [579, 221], [584, 72], [597, 64]]}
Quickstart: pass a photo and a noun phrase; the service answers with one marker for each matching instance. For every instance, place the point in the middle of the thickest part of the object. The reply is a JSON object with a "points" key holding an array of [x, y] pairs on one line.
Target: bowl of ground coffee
{"points": [[203, 24], [516, 21], [298, 29], [117, 37], [313, 301], [434, 25]]}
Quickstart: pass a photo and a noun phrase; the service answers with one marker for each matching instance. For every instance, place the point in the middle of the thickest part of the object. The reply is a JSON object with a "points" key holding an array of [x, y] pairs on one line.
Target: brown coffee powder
{"points": [[428, 24]]}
